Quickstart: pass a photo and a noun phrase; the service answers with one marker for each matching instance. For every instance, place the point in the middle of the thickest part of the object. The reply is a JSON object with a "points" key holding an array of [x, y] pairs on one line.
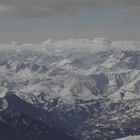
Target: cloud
{"points": [[74, 45], [48, 8]]}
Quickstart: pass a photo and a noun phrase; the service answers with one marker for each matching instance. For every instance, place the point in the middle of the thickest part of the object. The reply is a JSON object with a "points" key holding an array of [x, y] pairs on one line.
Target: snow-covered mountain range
{"points": [[87, 88]]}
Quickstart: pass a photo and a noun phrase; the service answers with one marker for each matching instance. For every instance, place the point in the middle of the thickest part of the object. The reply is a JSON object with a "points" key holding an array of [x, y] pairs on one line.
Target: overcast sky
{"points": [[38, 20]]}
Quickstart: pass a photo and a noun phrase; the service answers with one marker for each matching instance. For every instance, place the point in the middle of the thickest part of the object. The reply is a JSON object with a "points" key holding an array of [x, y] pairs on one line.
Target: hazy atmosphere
{"points": [[38, 20]]}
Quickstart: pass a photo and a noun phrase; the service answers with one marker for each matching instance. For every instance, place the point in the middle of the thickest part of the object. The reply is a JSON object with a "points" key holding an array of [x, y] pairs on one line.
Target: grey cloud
{"points": [[46, 8]]}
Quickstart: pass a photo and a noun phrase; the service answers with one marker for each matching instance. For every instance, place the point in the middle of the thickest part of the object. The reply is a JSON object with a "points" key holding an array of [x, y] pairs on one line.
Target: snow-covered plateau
{"points": [[89, 89]]}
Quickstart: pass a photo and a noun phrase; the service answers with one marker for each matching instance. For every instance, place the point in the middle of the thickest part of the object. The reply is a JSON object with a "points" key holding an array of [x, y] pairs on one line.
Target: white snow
{"points": [[3, 92], [130, 138]]}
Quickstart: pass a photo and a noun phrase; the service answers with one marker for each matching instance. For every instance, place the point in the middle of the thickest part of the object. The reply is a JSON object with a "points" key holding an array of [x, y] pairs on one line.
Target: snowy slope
{"points": [[130, 138]]}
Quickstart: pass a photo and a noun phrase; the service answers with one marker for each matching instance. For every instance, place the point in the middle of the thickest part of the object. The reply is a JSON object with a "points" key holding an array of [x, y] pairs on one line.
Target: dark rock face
{"points": [[20, 67], [17, 126], [35, 67]]}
